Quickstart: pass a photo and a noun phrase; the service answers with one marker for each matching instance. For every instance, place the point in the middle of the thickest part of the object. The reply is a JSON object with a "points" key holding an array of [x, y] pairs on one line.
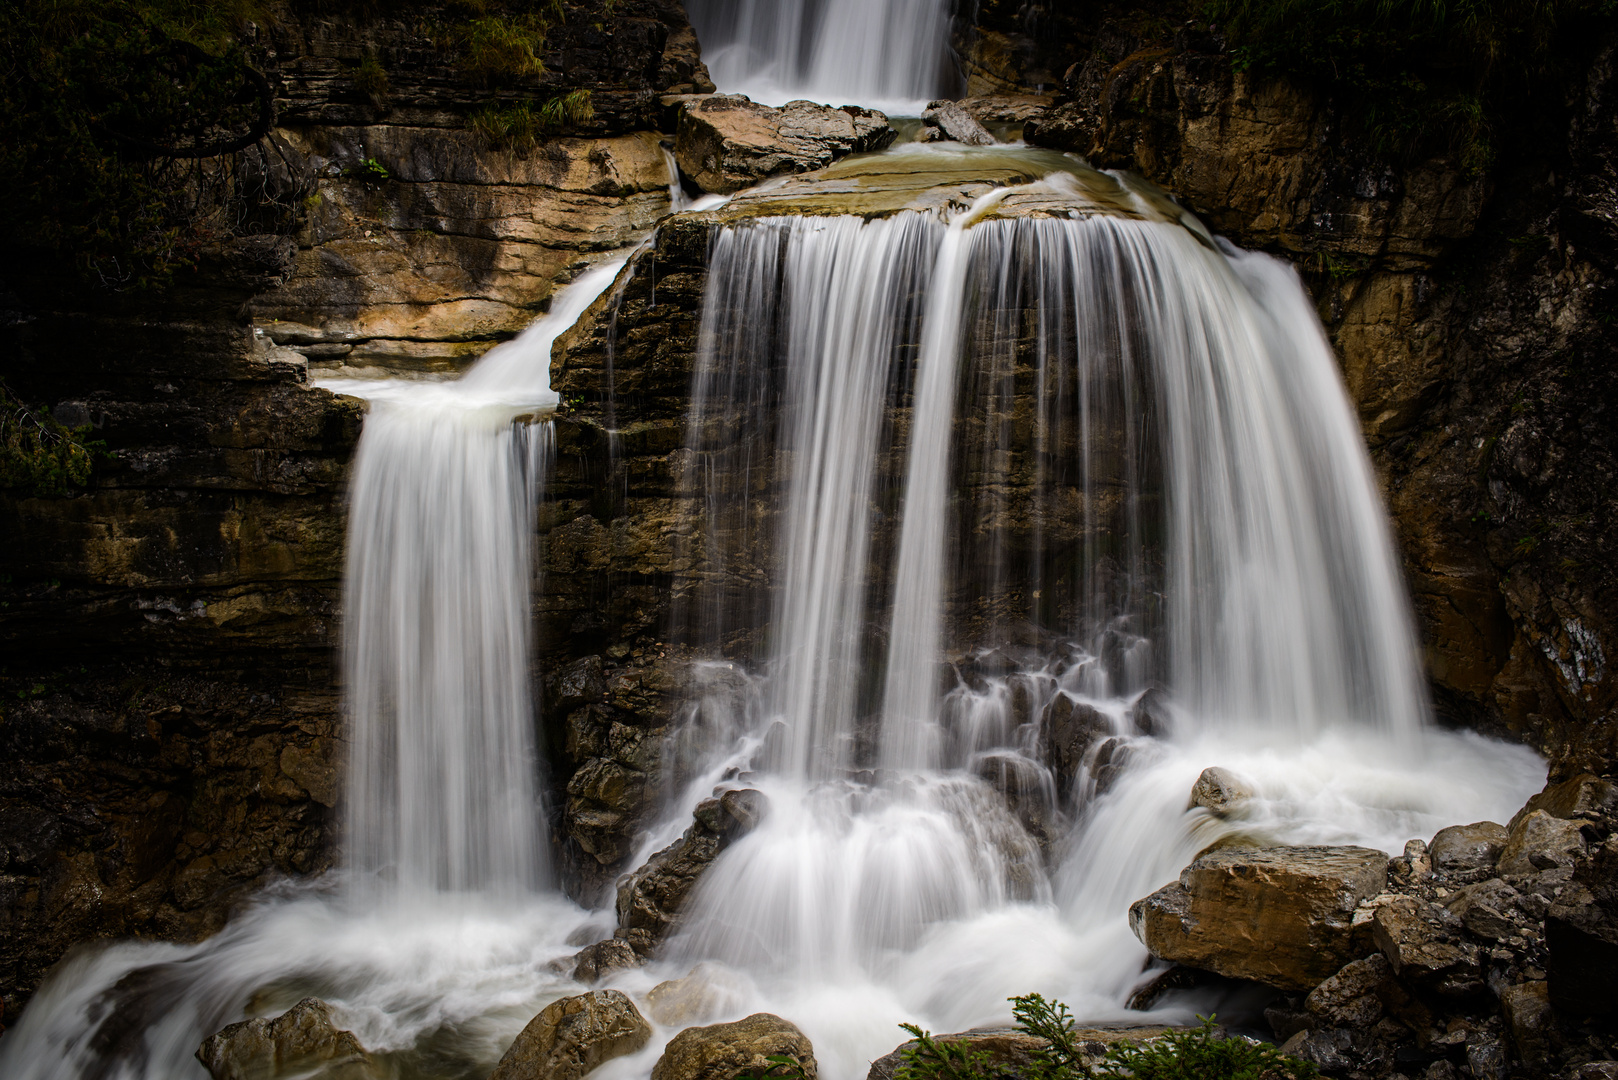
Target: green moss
{"points": [[39, 456]]}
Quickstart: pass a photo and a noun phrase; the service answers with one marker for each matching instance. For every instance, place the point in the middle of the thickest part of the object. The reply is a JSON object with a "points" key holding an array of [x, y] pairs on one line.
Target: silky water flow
{"points": [[1021, 473]]}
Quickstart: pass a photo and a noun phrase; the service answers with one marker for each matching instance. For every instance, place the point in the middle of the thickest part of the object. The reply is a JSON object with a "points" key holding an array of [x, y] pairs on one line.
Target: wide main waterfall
{"points": [[1059, 501]]}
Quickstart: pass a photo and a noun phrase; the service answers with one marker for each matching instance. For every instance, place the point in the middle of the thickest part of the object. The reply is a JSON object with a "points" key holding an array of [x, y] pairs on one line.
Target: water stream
{"points": [[1086, 462]]}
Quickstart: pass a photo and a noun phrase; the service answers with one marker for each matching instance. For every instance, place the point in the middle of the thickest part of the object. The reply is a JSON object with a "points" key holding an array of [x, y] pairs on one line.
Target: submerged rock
{"points": [[301, 1042], [1280, 916], [572, 1036], [595, 962], [722, 1051], [703, 992], [726, 142]]}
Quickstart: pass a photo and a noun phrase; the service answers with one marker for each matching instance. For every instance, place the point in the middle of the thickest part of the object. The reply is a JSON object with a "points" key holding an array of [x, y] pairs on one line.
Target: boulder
{"points": [[1423, 943], [1280, 916], [706, 990], [1527, 1010], [1412, 866], [1151, 713], [725, 142], [1540, 841], [1488, 909], [650, 898], [1581, 955], [572, 1036], [1584, 796], [1068, 729], [302, 1041], [956, 124], [1349, 998], [721, 1051], [1219, 791], [595, 962], [1467, 849]]}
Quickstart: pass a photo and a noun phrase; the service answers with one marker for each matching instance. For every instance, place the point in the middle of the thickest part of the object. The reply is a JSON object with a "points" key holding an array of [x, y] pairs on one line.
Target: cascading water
{"points": [[963, 480], [891, 56]]}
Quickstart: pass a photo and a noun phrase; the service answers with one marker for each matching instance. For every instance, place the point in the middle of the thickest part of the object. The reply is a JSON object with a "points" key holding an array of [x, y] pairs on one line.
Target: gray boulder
{"points": [[1467, 849], [956, 124], [1220, 791]]}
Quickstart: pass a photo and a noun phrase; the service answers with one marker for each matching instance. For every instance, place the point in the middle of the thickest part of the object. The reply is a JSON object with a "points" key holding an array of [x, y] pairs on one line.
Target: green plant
{"points": [[38, 455], [517, 126], [369, 171], [370, 77], [566, 110], [1202, 1053], [780, 1067]]}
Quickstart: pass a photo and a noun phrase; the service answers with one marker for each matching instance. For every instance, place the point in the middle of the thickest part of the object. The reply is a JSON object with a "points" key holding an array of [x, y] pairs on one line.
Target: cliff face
{"points": [[1468, 312], [171, 727]]}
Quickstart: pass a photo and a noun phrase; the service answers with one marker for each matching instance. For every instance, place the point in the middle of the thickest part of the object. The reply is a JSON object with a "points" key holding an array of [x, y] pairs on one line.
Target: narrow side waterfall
{"points": [[892, 56]]}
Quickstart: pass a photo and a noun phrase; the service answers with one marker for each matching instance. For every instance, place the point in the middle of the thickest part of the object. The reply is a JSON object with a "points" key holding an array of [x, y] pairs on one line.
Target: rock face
{"points": [[299, 1043], [721, 1051], [725, 143], [572, 1036], [650, 899], [1455, 343], [1281, 916]]}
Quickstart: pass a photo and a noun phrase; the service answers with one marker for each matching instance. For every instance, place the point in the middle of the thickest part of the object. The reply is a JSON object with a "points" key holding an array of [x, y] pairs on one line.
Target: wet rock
{"points": [[1411, 867], [1220, 791], [1538, 841], [1486, 909], [595, 962], [572, 1036], [1468, 849], [703, 992], [1581, 941], [1068, 729], [302, 1041], [1583, 796], [1595, 1070], [722, 1051], [1338, 1051], [1349, 998], [1422, 942], [725, 142], [1280, 916], [650, 899], [1152, 714], [956, 124], [1527, 1011]]}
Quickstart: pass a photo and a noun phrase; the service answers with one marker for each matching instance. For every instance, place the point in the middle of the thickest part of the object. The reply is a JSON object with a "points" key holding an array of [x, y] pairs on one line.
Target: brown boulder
{"points": [[572, 1036], [1540, 841], [1219, 791], [1422, 942], [1280, 916], [1011, 1051], [595, 962], [721, 1051], [725, 143], [303, 1041]]}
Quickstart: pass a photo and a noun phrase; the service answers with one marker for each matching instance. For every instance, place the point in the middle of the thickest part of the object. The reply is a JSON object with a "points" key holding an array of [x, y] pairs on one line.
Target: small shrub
{"points": [[1198, 1054], [512, 127], [370, 78], [566, 110], [369, 171], [38, 455]]}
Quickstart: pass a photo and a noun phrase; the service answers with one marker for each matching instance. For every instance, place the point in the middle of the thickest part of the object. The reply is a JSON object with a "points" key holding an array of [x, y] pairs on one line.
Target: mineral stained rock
{"points": [[302, 1041], [572, 1036], [721, 1051]]}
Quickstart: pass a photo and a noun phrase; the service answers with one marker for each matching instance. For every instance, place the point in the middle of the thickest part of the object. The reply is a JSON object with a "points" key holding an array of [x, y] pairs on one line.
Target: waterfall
{"points": [[892, 56]]}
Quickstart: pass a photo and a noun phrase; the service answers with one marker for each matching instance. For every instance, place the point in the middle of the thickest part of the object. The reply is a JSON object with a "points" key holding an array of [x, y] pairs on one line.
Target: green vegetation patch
{"points": [[1202, 1053], [38, 455]]}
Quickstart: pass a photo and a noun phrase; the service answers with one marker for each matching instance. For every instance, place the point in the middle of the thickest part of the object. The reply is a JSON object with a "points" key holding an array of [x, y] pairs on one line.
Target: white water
{"points": [[893, 56], [915, 891]]}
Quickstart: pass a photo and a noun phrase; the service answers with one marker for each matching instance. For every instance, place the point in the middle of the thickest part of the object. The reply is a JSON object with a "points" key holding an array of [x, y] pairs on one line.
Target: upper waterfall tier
{"points": [[893, 55]]}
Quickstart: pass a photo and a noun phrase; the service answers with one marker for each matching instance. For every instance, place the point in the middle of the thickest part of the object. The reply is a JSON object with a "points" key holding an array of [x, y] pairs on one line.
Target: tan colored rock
{"points": [[1585, 795], [721, 1051], [726, 142], [1348, 998], [956, 124], [1219, 791], [1281, 916], [1466, 849], [303, 1041], [572, 1036], [1538, 841]]}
